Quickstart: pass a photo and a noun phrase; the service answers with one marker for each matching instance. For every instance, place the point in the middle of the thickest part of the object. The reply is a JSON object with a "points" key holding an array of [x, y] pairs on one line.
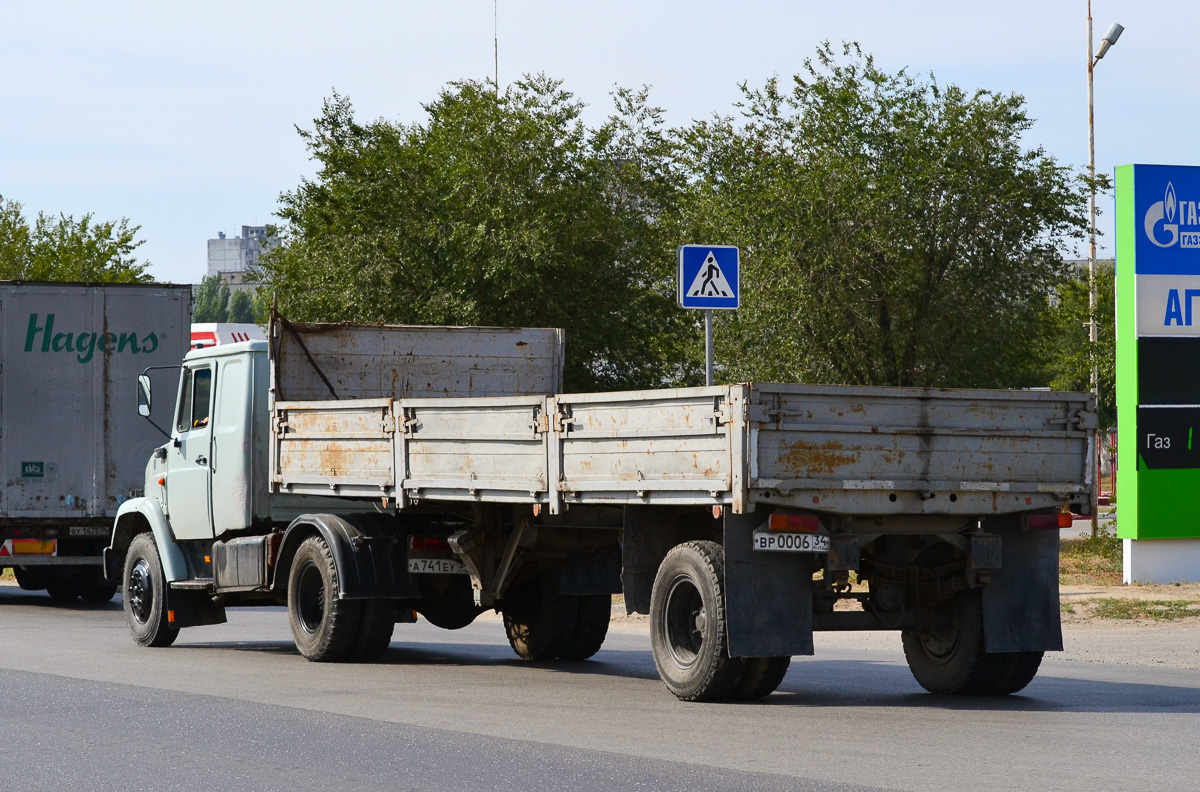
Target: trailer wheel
{"points": [[947, 655], [145, 594], [1016, 670], [62, 589], [540, 623], [374, 630], [30, 578], [687, 624], [324, 628], [760, 677], [591, 626], [97, 592]]}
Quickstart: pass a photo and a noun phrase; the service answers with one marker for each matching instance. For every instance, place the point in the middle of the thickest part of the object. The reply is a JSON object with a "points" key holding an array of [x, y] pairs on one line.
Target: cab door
{"points": [[189, 478]]}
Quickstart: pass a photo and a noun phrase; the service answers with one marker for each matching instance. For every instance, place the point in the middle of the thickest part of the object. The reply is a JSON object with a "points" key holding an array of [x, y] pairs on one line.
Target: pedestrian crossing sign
{"points": [[708, 277]]}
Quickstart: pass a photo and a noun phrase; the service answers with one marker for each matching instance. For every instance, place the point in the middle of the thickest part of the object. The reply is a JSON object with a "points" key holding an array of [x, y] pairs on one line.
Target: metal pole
{"points": [[1095, 378], [496, 40], [708, 348]]}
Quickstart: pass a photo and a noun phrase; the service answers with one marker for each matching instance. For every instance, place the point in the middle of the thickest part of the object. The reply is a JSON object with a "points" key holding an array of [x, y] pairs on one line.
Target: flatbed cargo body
{"points": [[827, 449]]}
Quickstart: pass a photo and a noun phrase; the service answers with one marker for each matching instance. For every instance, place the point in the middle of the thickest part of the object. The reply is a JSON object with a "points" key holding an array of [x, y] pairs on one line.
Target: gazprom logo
{"points": [[1161, 225]]}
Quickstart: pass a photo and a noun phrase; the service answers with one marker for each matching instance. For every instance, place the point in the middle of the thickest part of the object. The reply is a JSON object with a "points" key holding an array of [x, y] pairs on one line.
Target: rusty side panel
{"points": [[919, 451]]}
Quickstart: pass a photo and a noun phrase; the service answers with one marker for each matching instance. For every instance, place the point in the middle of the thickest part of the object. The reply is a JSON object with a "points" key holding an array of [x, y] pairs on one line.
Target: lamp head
{"points": [[1110, 38]]}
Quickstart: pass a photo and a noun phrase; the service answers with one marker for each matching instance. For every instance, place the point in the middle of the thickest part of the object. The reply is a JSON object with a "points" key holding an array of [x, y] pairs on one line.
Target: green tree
{"points": [[212, 300], [500, 209], [65, 249], [893, 230], [241, 307], [1068, 352]]}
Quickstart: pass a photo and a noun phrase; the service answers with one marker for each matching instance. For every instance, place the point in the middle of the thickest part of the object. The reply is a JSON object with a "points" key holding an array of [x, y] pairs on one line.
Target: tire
{"points": [[760, 677], [539, 622], [97, 593], [1017, 669], [687, 624], [374, 630], [62, 589], [30, 578], [591, 626], [948, 658], [145, 594], [324, 628]]}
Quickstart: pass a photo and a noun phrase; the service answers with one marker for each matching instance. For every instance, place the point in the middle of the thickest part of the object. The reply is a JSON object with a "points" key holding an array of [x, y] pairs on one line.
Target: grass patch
{"points": [[7, 574], [1090, 561], [1066, 607], [1157, 610]]}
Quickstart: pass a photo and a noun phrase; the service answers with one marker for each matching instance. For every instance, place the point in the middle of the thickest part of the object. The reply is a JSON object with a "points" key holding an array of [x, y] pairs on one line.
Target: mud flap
{"points": [[1020, 604], [768, 596]]}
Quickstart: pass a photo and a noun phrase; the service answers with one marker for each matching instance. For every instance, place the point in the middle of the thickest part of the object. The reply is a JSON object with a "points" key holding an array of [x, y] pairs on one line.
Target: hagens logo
{"points": [[84, 345]]}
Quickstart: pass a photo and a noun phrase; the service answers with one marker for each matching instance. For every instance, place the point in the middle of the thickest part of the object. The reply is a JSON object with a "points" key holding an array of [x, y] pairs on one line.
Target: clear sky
{"points": [[181, 116]]}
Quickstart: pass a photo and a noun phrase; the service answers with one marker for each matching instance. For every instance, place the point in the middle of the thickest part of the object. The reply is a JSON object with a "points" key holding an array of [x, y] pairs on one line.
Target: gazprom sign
{"points": [[1158, 351]]}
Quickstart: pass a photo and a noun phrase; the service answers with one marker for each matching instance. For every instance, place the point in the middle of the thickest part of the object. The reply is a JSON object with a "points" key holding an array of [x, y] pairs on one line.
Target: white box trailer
{"points": [[72, 446]]}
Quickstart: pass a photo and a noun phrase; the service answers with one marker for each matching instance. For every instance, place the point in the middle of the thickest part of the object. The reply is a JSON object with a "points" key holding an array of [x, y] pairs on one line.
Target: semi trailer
{"points": [[71, 450], [365, 476]]}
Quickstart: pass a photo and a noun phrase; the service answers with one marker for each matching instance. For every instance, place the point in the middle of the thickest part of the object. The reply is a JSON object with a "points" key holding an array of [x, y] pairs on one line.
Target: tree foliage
{"points": [[893, 231], [500, 209], [241, 307], [1068, 352], [211, 301], [61, 248]]}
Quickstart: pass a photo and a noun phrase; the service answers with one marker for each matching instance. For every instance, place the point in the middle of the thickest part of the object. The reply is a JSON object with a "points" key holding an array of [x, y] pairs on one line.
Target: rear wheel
{"points": [[374, 630], [591, 626], [540, 623], [97, 592], [1017, 669], [62, 589], [324, 628], [760, 677], [30, 578], [687, 624], [947, 656], [145, 594]]}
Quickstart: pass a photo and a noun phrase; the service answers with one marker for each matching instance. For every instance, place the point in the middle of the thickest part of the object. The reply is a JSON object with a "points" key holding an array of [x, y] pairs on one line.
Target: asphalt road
{"points": [[234, 707]]}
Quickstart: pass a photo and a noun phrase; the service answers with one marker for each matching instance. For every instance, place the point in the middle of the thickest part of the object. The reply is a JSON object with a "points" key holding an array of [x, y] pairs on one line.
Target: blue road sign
{"points": [[708, 277]]}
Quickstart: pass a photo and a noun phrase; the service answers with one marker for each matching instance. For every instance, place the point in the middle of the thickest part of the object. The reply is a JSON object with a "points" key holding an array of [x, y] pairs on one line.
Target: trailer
{"points": [[72, 452], [370, 474]]}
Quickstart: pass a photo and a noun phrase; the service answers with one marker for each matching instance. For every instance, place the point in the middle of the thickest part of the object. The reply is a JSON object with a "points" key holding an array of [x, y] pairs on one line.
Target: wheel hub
{"points": [[310, 602], [139, 591]]}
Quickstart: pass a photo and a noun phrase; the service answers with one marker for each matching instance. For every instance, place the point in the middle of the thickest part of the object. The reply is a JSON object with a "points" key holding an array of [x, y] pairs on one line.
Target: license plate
{"points": [[89, 530], [436, 566], [791, 542]]}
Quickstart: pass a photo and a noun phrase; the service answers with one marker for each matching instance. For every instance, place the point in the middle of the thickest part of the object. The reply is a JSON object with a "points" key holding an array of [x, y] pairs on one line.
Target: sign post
{"points": [[709, 279], [1158, 371]]}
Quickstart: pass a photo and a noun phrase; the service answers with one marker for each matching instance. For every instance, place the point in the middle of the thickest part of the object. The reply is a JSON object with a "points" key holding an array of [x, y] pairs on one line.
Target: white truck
{"points": [[70, 454], [363, 475]]}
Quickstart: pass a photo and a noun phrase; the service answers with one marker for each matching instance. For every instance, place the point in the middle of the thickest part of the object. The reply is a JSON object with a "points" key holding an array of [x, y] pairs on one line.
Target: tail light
{"points": [[804, 523], [427, 543], [1050, 522]]}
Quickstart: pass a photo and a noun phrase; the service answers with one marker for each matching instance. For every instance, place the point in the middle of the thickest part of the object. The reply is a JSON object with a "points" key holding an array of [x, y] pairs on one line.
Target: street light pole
{"points": [[1110, 38]]}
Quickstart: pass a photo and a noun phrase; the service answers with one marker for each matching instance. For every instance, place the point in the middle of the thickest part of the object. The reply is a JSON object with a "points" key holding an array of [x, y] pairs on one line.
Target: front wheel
{"points": [[145, 595], [687, 624]]}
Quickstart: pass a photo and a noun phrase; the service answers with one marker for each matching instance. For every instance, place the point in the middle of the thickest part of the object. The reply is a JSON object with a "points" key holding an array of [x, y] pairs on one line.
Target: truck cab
{"points": [[204, 477]]}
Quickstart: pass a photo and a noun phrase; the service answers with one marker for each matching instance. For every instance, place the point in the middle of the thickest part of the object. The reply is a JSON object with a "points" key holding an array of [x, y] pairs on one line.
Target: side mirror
{"points": [[144, 395]]}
